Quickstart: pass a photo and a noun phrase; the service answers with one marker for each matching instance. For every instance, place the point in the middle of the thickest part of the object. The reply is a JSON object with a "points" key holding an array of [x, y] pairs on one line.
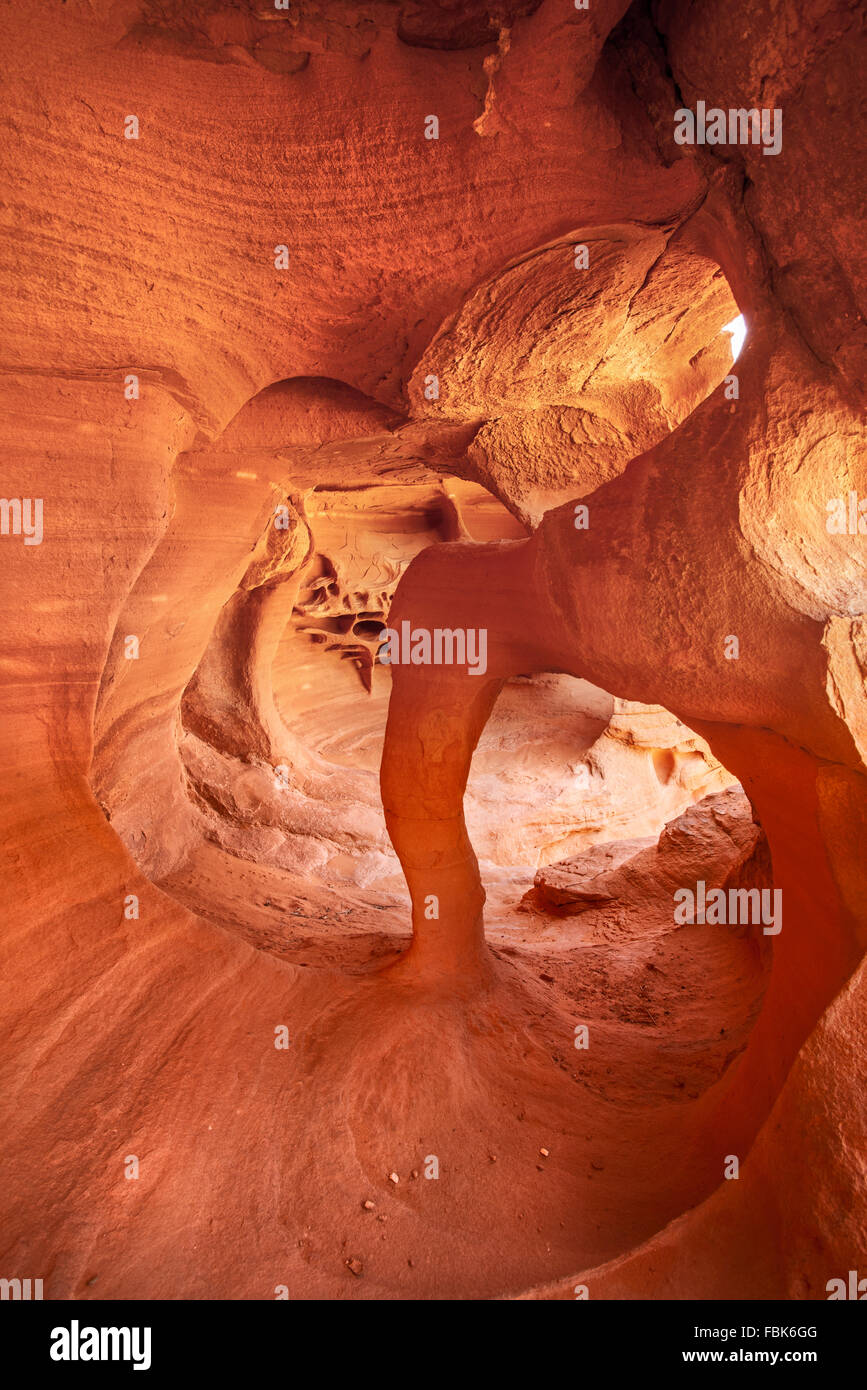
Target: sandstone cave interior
{"points": [[372, 966]]}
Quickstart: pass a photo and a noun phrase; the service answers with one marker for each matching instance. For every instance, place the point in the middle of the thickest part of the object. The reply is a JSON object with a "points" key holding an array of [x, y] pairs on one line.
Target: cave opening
{"points": [[536, 964], [585, 809]]}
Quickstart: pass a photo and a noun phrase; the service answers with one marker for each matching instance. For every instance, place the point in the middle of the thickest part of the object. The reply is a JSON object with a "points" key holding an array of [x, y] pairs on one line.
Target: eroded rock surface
{"points": [[711, 842], [284, 371]]}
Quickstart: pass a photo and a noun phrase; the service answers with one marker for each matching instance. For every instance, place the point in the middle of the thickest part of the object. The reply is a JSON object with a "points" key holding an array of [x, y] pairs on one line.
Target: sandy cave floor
{"points": [[379, 1076]]}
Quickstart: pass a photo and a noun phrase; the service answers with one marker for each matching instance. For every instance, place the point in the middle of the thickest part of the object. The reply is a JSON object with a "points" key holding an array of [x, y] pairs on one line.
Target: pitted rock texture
{"points": [[285, 372]]}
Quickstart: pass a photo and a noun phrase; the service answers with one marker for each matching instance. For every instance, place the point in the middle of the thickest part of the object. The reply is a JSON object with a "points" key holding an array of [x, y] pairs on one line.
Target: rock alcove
{"points": [[485, 389]]}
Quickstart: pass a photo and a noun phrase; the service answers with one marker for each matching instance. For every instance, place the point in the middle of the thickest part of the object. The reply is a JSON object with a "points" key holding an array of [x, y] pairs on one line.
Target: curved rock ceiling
{"points": [[294, 377]]}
